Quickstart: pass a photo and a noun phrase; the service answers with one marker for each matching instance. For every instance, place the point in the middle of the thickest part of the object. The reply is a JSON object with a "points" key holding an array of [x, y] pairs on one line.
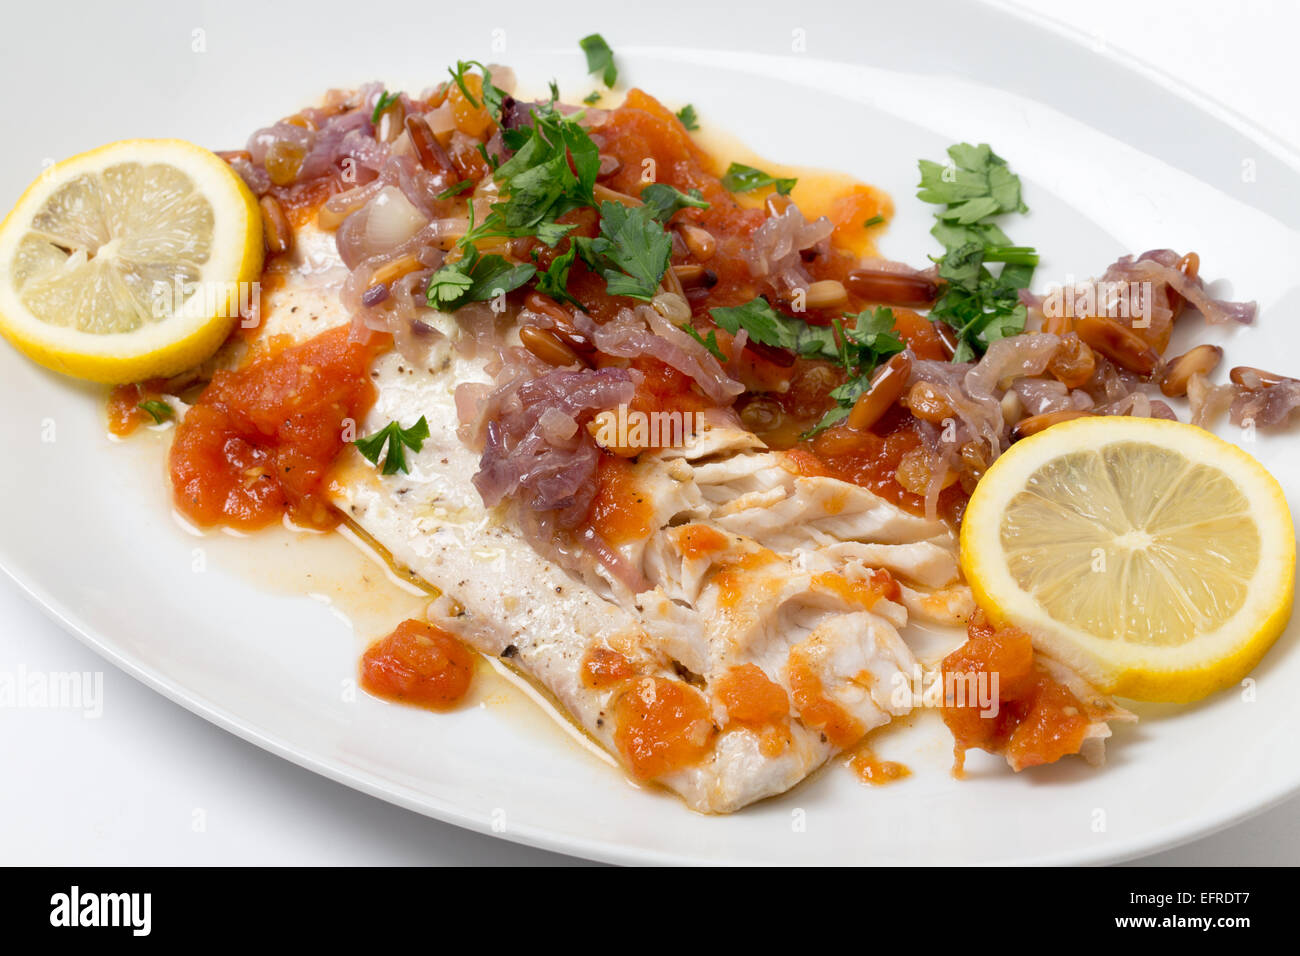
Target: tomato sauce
{"points": [[603, 667], [620, 511], [754, 701], [867, 591], [662, 725], [124, 412], [869, 768], [696, 541], [652, 145], [259, 442], [815, 708], [751, 697], [418, 664], [1038, 720], [871, 459]]}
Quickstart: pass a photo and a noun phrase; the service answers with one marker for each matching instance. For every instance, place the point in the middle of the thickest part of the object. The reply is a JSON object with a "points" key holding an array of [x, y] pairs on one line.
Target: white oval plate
{"points": [[1112, 161]]}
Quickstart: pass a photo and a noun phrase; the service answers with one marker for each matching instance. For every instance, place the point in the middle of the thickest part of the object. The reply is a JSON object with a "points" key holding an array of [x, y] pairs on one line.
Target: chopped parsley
{"points": [[873, 221], [592, 98], [740, 178], [631, 252], [710, 342], [600, 58], [159, 411], [767, 326], [687, 115], [665, 200], [857, 343], [492, 96], [398, 439], [385, 100], [455, 189], [555, 280], [552, 172], [475, 278], [979, 305]]}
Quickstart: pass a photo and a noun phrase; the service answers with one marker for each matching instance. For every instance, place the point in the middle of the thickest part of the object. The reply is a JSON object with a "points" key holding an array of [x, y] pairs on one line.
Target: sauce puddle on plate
{"points": [[355, 579]]}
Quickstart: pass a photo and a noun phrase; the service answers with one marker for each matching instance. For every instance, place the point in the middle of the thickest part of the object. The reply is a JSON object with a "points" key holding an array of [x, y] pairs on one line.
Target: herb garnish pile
{"points": [[979, 305]]}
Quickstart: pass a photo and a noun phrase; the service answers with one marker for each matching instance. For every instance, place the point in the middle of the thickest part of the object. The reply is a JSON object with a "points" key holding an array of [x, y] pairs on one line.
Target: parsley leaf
{"points": [[870, 338], [385, 100], [767, 326], [979, 305], [631, 252], [687, 115], [740, 178], [857, 343], [455, 189], [710, 342], [475, 278], [665, 200], [552, 172], [492, 96], [398, 439], [592, 98], [159, 411], [600, 58], [555, 280]]}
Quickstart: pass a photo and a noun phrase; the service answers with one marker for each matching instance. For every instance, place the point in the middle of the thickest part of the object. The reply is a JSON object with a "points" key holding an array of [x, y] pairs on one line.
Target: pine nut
{"points": [[893, 288], [699, 241], [689, 274], [396, 269], [605, 194], [886, 387], [1256, 378], [1012, 407], [275, 226], [1201, 360], [563, 330], [694, 276], [391, 122], [547, 346], [427, 148], [826, 294], [1118, 343], [1036, 423]]}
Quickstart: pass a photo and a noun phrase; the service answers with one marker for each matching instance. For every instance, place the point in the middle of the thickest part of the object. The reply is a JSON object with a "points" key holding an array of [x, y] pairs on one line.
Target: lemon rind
{"points": [[1189, 672], [162, 348]]}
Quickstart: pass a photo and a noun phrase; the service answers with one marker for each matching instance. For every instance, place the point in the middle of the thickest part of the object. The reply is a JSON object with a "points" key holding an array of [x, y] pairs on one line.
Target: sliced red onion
{"points": [[374, 295]]}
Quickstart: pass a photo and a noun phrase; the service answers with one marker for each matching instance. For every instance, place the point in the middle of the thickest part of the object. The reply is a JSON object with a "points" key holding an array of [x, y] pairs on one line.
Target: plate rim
{"points": [[609, 851]]}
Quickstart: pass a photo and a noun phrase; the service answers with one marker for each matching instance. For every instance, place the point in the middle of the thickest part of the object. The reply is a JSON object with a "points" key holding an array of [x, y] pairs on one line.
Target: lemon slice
{"points": [[126, 262], [1153, 557]]}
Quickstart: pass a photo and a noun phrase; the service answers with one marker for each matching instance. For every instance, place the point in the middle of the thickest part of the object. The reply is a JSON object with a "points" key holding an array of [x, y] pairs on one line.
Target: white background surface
{"points": [[129, 787]]}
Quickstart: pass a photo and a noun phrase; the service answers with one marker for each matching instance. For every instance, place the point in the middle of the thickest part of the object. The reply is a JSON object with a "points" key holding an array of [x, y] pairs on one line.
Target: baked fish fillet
{"points": [[752, 572]]}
